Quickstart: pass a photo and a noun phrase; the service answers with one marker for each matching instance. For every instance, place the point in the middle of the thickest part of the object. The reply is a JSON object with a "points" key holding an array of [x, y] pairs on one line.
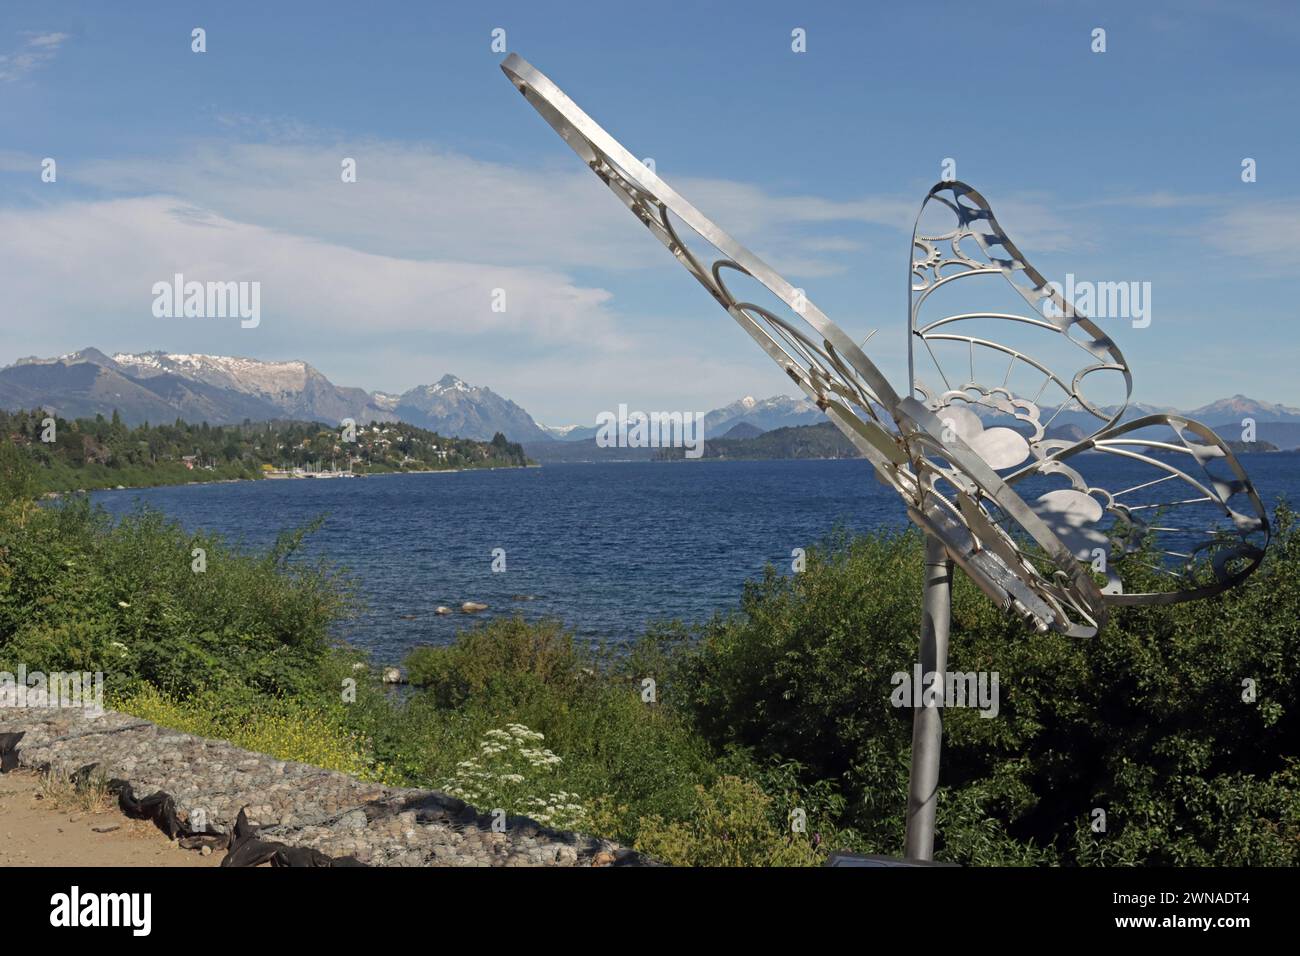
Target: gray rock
{"points": [[294, 803]]}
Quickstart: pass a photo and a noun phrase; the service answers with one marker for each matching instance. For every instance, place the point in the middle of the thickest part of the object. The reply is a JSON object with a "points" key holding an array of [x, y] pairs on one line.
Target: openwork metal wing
{"points": [[927, 448], [1158, 505], [1018, 365], [826, 364], [1182, 522]]}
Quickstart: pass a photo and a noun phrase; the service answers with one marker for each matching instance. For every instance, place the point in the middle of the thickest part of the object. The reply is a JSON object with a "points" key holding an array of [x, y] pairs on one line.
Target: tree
{"points": [[17, 477]]}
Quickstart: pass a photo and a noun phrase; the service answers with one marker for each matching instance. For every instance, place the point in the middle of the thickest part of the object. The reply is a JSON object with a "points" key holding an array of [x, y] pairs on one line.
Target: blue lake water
{"points": [[604, 547]]}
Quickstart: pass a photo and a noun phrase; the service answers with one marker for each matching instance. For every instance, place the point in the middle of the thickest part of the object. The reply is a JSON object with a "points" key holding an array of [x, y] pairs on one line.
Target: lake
{"points": [[604, 547]]}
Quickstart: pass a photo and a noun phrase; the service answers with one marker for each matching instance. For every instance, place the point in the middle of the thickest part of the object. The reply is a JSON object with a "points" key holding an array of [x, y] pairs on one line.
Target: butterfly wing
{"points": [[1183, 520], [1159, 505], [995, 350], [823, 361]]}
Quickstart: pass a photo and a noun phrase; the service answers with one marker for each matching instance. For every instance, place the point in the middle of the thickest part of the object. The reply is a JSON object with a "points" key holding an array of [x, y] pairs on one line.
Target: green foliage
{"points": [[286, 728], [626, 757], [78, 591], [1147, 722], [17, 474], [507, 658], [730, 825], [93, 453]]}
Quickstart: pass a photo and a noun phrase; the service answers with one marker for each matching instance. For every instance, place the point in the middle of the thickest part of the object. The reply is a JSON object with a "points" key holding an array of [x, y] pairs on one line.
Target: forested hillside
{"points": [[89, 453]]}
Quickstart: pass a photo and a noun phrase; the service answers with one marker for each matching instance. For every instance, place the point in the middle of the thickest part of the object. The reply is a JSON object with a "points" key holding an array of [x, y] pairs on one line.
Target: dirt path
{"points": [[37, 829]]}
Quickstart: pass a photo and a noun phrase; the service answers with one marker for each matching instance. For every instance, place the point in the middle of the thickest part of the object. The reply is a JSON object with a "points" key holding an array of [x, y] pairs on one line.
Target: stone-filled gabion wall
{"points": [[293, 804]]}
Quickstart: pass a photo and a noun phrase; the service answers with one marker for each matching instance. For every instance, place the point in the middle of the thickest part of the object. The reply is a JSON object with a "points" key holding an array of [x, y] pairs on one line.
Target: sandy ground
{"points": [[40, 832]]}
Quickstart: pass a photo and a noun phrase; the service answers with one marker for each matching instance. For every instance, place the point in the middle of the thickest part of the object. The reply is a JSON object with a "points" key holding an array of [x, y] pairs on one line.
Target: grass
{"points": [[86, 793]]}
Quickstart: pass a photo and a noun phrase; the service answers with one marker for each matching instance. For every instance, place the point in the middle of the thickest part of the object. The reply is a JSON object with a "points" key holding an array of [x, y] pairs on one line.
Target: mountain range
{"points": [[161, 387], [221, 390]]}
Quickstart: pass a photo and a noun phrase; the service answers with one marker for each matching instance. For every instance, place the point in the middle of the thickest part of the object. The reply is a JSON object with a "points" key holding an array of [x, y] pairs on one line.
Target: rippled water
{"points": [[604, 547]]}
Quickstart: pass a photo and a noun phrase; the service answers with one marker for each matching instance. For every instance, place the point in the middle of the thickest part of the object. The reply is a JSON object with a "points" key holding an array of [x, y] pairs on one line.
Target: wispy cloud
{"points": [[84, 265], [1267, 233], [418, 199], [36, 50]]}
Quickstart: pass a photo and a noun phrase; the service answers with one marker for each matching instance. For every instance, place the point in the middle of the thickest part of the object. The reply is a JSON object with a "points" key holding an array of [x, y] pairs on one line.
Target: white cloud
{"points": [[422, 201], [77, 265], [1266, 232], [36, 50]]}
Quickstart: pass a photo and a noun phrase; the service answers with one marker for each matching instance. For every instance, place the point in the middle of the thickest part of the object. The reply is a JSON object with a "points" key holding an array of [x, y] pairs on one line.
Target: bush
{"points": [[730, 825], [628, 757], [78, 591], [1147, 722], [506, 657]]}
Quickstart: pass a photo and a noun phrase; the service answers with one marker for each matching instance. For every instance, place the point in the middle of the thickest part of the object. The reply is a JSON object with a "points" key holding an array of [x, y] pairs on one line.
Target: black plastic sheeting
{"points": [[9, 751], [245, 846]]}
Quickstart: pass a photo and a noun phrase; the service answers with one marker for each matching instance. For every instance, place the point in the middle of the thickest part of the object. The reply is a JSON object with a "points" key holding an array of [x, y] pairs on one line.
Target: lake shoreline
{"points": [[53, 495]]}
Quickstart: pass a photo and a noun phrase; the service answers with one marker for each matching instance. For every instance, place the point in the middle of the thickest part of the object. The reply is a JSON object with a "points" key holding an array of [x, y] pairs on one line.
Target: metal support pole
{"points": [[927, 722]]}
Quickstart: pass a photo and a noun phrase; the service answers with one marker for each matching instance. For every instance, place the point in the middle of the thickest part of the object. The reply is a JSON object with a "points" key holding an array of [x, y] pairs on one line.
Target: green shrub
{"points": [[80, 591], [730, 825], [616, 749], [1147, 721], [506, 656]]}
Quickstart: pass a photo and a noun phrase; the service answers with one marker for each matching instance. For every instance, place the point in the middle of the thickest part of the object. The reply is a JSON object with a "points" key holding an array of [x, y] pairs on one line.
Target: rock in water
{"points": [[470, 607], [442, 609], [392, 675]]}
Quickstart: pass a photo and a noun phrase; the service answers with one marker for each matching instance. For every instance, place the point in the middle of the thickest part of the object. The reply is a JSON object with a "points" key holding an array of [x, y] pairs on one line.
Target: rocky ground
{"points": [[293, 804]]}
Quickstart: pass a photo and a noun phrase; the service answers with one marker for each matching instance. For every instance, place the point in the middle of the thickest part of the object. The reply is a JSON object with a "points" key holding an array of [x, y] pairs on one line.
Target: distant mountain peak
{"points": [[200, 360], [91, 355], [451, 406], [455, 382], [765, 414]]}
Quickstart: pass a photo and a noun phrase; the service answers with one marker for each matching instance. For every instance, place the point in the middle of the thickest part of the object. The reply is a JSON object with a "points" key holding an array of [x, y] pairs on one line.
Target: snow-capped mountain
{"points": [[568, 432], [295, 388], [452, 407], [222, 389], [1231, 411], [779, 411]]}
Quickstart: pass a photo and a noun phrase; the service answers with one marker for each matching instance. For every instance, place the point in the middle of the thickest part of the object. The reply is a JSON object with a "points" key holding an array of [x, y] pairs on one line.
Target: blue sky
{"points": [[1115, 166]]}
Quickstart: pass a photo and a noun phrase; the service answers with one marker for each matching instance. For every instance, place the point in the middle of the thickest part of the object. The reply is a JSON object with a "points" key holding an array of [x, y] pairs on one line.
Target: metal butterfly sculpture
{"points": [[957, 449]]}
